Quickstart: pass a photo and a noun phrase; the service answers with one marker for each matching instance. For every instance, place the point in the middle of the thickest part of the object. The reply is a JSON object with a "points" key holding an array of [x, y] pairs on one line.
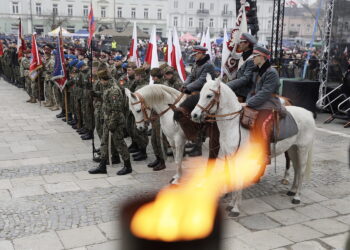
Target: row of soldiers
{"points": [[94, 97]]}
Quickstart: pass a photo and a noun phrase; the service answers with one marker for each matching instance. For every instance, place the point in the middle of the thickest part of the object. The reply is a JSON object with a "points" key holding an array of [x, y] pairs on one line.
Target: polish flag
{"points": [[92, 25], [152, 53], [21, 45], [207, 44], [35, 62], [225, 52], [202, 40], [169, 48], [176, 57], [133, 52]]}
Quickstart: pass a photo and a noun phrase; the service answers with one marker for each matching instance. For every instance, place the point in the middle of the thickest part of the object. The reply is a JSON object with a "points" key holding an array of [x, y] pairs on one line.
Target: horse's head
{"points": [[208, 101], [139, 109]]}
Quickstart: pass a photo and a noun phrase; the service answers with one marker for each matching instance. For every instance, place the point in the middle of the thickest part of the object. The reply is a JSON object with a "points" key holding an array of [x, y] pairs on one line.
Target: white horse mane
{"points": [[157, 93]]}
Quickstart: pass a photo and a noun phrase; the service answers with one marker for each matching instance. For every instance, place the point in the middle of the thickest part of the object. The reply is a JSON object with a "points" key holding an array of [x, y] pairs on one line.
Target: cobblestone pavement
{"points": [[49, 201]]}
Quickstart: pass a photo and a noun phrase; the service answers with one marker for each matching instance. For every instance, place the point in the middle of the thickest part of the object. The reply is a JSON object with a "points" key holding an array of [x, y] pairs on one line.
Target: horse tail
{"points": [[309, 163]]}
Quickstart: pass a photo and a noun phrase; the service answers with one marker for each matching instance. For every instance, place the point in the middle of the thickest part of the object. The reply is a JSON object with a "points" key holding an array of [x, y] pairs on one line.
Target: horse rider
{"points": [[195, 82], [244, 78], [263, 98]]}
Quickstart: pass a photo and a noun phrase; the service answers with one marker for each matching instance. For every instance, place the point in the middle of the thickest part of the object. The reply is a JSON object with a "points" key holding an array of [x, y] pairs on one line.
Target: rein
{"points": [[144, 108], [212, 103]]}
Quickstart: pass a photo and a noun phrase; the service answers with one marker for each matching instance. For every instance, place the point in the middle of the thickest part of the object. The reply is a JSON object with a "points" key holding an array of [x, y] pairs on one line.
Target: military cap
{"points": [[169, 70], [125, 65], [104, 74], [199, 49], [132, 65], [246, 37], [140, 71], [79, 64], [117, 58], [73, 62], [156, 72], [261, 51], [163, 66]]}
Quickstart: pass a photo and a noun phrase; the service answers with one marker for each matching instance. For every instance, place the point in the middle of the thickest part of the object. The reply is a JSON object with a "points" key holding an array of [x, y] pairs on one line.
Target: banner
{"points": [[35, 61], [59, 72]]}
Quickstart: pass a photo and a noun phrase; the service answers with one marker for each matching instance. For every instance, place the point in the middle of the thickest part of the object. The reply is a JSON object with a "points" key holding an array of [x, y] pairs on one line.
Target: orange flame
{"points": [[187, 211]]}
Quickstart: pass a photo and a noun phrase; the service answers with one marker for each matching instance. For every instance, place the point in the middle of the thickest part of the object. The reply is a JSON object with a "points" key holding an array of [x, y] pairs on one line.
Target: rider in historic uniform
{"points": [[244, 78]]}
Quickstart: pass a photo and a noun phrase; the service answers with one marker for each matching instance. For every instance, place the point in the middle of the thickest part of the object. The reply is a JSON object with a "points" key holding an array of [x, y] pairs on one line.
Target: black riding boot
{"points": [[126, 169], [196, 151], [160, 166], [101, 169], [154, 163], [61, 115], [141, 156]]}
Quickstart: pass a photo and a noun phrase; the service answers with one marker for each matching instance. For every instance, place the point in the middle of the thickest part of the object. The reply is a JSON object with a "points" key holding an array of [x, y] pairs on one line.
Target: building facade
{"points": [[42, 16]]}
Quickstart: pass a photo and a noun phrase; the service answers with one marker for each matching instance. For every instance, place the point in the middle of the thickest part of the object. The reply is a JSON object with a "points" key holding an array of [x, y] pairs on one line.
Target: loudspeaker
{"points": [[303, 93]]}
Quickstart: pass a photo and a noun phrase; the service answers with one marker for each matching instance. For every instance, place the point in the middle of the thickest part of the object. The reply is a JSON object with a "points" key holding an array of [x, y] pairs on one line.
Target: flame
{"points": [[187, 211]]}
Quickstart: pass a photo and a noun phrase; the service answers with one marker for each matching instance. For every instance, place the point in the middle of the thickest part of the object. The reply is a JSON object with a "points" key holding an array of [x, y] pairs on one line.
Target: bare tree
{"points": [[55, 21]]}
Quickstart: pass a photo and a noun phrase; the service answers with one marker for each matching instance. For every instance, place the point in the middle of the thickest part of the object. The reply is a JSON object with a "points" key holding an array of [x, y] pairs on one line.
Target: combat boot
{"points": [[30, 99], [87, 136], [196, 151], [83, 131], [101, 169], [154, 163], [48, 104], [61, 115], [33, 100], [126, 169], [141, 156], [133, 148], [160, 166], [54, 108]]}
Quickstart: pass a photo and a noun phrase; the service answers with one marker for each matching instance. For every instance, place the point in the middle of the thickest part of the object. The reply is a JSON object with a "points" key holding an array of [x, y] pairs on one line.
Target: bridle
{"points": [[212, 103], [144, 108]]}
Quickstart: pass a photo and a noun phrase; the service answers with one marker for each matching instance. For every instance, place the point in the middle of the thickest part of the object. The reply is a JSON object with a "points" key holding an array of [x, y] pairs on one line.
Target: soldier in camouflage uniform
{"points": [[24, 70], [156, 137], [114, 122], [87, 105], [171, 78], [117, 71], [78, 89], [139, 138], [48, 63]]}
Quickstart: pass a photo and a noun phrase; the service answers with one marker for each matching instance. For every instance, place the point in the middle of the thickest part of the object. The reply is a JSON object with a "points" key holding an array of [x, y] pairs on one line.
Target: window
{"points": [[211, 6], [298, 25], [85, 27], [55, 9], [190, 22], [103, 11], [38, 8], [176, 4], [224, 23], [225, 8], [159, 32], [145, 13], [201, 6], [201, 24], [175, 21], [85, 10], [191, 5], [269, 26], [120, 12], [146, 30], [71, 29], [14, 7], [14, 28], [211, 23], [270, 9], [159, 14], [133, 13], [70, 10], [39, 29], [292, 25]]}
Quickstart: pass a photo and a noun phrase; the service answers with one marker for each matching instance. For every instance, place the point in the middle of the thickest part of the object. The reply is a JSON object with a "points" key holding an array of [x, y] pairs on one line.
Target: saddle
{"points": [[248, 117]]}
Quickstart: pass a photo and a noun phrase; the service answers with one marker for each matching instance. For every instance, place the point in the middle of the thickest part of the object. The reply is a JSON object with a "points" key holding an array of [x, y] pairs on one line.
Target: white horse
{"points": [[299, 146], [157, 97]]}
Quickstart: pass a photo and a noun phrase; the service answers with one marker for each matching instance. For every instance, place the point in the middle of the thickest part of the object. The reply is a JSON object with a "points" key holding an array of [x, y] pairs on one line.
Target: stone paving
{"points": [[49, 201]]}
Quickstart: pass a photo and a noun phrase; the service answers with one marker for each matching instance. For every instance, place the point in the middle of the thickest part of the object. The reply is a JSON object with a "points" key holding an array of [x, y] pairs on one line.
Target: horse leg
{"points": [[292, 152], [178, 147], [303, 154], [235, 203], [285, 181]]}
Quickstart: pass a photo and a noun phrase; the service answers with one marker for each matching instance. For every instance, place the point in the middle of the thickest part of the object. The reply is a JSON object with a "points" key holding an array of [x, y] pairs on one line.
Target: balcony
{"points": [[203, 12], [227, 13]]}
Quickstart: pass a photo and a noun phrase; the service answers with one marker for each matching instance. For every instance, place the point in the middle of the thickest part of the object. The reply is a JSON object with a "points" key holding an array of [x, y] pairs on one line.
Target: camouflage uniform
{"points": [[24, 70], [48, 64], [173, 82], [86, 100]]}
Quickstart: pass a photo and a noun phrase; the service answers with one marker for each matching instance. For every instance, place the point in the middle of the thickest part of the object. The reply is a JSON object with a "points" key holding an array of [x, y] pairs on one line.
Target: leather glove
{"points": [[186, 91]]}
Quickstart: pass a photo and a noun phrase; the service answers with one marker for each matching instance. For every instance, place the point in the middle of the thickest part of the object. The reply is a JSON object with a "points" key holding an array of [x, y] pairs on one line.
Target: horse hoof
{"points": [[290, 193], [285, 182], [233, 214], [294, 201], [229, 208]]}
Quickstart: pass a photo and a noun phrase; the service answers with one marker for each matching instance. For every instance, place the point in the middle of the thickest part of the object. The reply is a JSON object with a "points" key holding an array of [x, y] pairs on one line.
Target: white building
{"points": [[42, 15]]}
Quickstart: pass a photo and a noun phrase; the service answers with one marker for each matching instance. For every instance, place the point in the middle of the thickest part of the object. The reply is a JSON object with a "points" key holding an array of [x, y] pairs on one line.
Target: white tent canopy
{"points": [[57, 30]]}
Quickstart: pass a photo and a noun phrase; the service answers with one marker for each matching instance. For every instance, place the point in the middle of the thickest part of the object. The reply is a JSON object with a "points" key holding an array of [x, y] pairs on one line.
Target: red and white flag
{"points": [[92, 25], [133, 52], [169, 49], [207, 44], [1, 49], [176, 57], [152, 52], [21, 45], [35, 62]]}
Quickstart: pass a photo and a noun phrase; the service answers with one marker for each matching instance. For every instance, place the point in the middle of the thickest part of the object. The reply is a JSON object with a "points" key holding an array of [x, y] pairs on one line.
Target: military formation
{"points": [[94, 99]]}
